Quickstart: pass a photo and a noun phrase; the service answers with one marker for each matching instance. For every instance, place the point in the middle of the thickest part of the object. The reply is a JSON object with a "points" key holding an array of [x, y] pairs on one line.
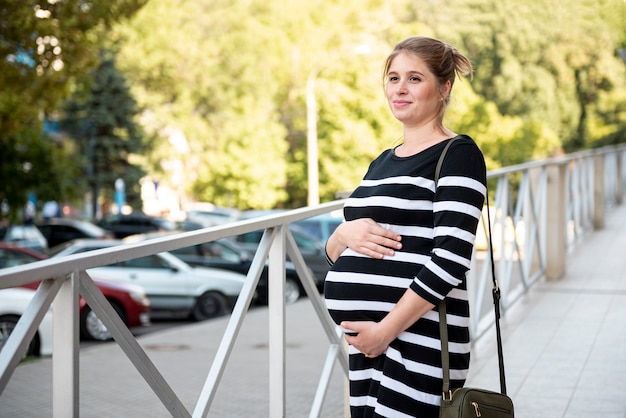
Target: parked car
{"points": [[128, 300], [12, 255], [208, 214], [124, 225], [174, 287], [312, 250], [226, 254], [321, 227], [27, 236], [13, 304], [60, 230]]}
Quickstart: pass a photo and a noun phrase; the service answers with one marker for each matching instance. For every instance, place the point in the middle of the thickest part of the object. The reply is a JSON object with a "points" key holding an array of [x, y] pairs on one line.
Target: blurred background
{"points": [[150, 106]]}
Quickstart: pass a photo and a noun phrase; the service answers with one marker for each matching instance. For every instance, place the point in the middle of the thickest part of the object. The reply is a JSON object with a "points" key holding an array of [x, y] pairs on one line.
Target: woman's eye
{"points": [[393, 78], [415, 79]]}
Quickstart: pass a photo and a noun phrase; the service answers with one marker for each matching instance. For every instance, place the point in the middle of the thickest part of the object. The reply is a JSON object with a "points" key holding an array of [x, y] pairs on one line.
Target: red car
{"points": [[130, 301]]}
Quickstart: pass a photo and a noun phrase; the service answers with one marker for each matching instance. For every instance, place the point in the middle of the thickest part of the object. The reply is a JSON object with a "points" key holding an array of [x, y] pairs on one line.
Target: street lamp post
{"points": [[313, 197]]}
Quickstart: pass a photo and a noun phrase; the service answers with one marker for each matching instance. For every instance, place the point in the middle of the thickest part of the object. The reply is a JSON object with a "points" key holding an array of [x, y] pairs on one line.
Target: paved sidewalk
{"points": [[564, 348], [110, 386], [565, 341]]}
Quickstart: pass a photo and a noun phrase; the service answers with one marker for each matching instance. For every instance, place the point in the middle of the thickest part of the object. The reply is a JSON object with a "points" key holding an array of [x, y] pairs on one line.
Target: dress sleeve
{"points": [[457, 206]]}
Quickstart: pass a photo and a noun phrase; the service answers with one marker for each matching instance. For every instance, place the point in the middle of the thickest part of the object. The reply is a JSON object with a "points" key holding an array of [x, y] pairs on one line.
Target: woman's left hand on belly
{"points": [[369, 338]]}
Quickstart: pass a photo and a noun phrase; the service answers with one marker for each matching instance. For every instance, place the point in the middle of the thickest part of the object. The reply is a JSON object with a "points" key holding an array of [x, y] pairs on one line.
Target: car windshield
{"points": [[90, 228], [10, 258], [304, 241], [148, 262], [211, 250]]}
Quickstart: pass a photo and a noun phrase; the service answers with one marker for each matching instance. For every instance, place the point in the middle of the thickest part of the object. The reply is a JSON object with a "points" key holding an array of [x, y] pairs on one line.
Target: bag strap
{"points": [[443, 327]]}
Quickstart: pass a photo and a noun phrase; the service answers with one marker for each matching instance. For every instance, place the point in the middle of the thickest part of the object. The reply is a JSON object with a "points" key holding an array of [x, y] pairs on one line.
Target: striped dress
{"points": [[438, 229]]}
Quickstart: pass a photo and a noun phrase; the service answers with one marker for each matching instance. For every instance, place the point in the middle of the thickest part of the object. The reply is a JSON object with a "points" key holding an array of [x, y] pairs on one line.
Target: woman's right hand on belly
{"points": [[366, 237]]}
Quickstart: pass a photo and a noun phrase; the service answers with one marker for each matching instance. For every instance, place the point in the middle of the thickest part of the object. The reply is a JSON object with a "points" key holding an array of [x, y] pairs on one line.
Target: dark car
{"points": [[312, 249], [60, 230], [124, 225], [226, 254], [128, 300]]}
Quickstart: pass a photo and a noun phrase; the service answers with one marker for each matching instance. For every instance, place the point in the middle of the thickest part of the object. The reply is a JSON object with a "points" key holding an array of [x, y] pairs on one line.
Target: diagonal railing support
{"points": [[232, 330], [127, 342], [25, 330]]}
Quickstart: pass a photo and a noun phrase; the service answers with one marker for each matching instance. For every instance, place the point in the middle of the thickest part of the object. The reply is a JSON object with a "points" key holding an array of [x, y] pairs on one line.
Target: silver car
{"points": [[173, 287]]}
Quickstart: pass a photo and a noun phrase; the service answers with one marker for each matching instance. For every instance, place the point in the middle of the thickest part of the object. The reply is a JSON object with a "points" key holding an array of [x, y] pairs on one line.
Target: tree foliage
{"points": [[31, 162], [232, 77], [101, 121], [222, 85], [46, 47]]}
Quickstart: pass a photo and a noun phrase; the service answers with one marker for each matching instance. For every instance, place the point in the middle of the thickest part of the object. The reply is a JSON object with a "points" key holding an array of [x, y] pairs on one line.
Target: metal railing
{"points": [[539, 211]]}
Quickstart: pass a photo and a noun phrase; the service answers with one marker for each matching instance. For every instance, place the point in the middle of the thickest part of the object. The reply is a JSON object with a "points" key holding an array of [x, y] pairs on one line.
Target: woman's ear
{"points": [[445, 90]]}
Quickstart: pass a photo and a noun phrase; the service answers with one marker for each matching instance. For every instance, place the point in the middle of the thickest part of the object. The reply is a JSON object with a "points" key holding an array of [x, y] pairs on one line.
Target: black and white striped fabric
{"points": [[438, 226]]}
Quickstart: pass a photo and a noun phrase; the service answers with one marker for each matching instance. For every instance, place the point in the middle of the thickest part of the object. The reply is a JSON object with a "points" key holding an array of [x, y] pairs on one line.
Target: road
{"points": [[157, 325]]}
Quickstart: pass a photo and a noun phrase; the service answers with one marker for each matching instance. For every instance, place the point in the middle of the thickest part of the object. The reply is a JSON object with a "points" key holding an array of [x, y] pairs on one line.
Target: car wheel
{"points": [[292, 290], [209, 305], [92, 328], [7, 325]]}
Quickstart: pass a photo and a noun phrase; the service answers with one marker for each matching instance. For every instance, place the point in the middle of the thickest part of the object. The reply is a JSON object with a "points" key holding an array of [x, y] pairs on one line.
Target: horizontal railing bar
{"points": [[555, 160], [19, 275]]}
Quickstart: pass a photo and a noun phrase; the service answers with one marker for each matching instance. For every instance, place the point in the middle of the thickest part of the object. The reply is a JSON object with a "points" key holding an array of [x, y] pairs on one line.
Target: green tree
{"points": [[102, 122], [45, 49], [547, 68], [31, 162], [231, 80], [213, 80], [247, 63]]}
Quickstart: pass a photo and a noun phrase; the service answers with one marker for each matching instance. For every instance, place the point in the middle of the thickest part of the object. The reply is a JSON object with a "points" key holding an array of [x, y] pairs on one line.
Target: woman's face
{"points": [[412, 90]]}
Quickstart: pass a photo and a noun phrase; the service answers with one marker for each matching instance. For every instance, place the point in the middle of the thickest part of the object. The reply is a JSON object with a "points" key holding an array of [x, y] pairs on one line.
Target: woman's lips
{"points": [[401, 103]]}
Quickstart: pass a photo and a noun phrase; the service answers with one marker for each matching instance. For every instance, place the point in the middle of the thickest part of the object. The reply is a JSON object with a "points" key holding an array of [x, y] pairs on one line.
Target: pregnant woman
{"points": [[407, 244]]}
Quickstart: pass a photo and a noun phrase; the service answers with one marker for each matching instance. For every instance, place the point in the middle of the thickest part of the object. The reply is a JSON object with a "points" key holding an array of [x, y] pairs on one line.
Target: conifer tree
{"points": [[102, 122]]}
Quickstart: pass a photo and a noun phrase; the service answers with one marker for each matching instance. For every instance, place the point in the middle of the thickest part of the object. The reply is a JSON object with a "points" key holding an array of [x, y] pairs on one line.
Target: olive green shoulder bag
{"points": [[472, 402]]}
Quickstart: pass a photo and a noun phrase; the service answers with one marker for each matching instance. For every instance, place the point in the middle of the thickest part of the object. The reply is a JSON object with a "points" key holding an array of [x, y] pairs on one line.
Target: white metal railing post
{"points": [[556, 226], [599, 191], [500, 248], [610, 179], [277, 326], [619, 177], [65, 346], [534, 228]]}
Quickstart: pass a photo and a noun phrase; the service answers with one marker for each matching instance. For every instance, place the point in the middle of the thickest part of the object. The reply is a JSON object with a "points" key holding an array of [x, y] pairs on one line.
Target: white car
{"points": [[173, 287], [13, 304]]}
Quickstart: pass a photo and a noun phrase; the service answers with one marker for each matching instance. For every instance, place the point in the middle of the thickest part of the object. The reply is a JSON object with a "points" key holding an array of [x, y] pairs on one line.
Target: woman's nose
{"points": [[401, 87]]}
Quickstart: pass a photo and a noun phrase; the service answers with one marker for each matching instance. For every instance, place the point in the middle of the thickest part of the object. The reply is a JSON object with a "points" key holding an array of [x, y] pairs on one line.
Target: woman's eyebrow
{"points": [[410, 72]]}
